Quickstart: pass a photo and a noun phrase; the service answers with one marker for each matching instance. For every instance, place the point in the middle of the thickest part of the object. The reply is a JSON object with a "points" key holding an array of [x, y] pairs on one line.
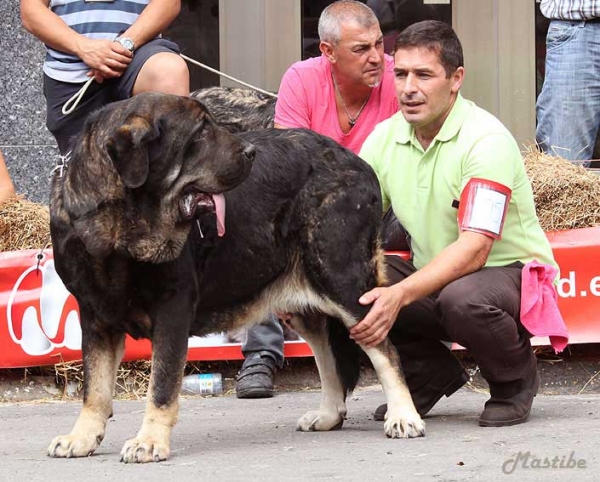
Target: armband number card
{"points": [[483, 206]]}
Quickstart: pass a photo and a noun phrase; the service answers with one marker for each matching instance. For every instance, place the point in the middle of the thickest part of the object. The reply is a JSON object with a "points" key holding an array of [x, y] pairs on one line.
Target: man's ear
{"points": [[327, 50], [457, 79], [128, 147]]}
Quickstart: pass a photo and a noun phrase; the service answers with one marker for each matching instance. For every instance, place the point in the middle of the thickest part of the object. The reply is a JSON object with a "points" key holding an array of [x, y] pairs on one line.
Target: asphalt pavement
{"points": [[226, 439]]}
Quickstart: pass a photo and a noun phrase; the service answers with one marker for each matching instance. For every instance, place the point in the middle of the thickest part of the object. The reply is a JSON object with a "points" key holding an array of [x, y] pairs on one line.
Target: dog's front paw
{"points": [[319, 421], [74, 445], [403, 424], [142, 451]]}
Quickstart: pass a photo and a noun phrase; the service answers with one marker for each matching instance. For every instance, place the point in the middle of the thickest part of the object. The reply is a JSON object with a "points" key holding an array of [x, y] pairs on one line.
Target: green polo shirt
{"points": [[422, 186]]}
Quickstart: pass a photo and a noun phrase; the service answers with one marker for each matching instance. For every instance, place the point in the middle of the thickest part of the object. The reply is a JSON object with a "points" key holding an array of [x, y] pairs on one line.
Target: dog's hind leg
{"points": [[332, 409], [402, 419], [343, 262], [169, 353], [102, 353], [334, 357]]}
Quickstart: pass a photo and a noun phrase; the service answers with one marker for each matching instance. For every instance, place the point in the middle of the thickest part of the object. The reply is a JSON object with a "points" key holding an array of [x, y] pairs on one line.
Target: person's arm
{"points": [[7, 190], [466, 255], [156, 17], [105, 58]]}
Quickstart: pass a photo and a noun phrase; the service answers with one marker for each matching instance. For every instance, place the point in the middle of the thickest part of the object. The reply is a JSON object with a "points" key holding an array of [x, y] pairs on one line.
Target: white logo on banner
{"points": [[40, 331]]}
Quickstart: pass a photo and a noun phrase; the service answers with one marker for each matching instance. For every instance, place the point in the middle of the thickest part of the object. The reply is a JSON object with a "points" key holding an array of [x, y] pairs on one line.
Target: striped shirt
{"points": [[96, 20], [570, 9]]}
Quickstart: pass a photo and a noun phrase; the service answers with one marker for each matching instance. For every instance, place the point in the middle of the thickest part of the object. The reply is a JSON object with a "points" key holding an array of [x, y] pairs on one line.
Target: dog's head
{"points": [[144, 169]]}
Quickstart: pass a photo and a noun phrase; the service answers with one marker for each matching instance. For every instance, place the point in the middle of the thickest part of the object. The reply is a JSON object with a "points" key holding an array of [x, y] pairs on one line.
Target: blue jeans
{"points": [[568, 108]]}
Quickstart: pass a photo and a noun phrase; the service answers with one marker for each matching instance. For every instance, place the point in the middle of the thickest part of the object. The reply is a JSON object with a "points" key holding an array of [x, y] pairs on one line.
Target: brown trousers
{"points": [[479, 311]]}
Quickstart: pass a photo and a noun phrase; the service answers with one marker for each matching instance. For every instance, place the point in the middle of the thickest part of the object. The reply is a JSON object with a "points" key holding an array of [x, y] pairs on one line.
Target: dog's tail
{"points": [[346, 352]]}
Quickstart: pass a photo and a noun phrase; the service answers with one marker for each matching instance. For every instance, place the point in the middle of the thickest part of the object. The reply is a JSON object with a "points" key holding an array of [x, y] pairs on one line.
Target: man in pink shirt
{"points": [[343, 94], [349, 89]]}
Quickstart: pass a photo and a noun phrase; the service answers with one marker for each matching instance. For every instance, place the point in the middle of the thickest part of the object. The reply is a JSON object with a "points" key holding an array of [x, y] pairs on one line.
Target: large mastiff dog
{"points": [[137, 223]]}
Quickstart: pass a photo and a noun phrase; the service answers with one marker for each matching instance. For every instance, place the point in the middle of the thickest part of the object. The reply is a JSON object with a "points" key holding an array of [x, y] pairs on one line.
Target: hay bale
{"points": [[566, 196], [132, 381], [23, 225]]}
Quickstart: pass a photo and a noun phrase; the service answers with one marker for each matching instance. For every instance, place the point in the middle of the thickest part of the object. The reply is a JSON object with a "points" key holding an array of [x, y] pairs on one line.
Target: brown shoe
{"points": [[502, 411], [426, 397]]}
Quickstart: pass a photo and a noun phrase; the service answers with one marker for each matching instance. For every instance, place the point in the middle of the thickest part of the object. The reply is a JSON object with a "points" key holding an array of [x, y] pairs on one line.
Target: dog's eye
{"points": [[197, 137]]}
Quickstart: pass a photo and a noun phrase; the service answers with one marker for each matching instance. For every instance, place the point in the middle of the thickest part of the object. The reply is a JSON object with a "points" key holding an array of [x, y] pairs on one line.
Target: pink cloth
{"points": [[306, 98], [539, 307]]}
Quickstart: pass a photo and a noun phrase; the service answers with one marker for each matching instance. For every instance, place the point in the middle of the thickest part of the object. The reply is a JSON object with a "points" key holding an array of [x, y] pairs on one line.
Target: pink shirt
{"points": [[306, 99]]}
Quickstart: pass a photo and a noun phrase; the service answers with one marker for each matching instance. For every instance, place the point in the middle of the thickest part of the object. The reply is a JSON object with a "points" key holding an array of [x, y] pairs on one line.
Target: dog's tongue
{"points": [[219, 201]]}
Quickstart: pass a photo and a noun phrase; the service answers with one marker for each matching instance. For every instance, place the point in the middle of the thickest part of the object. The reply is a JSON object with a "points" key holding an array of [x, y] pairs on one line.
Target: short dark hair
{"points": [[436, 36]]}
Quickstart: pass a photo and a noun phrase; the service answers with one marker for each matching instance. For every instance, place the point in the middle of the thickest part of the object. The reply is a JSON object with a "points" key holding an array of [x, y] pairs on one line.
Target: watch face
{"points": [[127, 43]]}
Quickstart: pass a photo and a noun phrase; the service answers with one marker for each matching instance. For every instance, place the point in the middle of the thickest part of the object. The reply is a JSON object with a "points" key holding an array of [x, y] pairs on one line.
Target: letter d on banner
{"points": [[566, 286]]}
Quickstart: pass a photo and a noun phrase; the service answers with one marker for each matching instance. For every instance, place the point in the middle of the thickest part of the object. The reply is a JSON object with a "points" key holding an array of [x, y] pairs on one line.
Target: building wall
{"points": [[498, 38], [29, 149]]}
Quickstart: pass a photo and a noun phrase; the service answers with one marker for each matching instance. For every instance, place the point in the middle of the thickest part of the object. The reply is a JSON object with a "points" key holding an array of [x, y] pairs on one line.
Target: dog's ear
{"points": [[128, 147]]}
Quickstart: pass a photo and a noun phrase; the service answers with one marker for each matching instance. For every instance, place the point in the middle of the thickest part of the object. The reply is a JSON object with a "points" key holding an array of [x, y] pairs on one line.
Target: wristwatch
{"points": [[126, 42]]}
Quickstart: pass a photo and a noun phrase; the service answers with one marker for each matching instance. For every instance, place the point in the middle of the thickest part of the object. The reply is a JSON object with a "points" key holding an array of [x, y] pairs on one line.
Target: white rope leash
{"points": [[73, 102], [214, 71], [68, 108]]}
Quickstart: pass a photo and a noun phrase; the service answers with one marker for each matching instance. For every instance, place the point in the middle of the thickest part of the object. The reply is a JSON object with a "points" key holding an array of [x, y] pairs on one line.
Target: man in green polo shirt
{"points": [[455, 178]]}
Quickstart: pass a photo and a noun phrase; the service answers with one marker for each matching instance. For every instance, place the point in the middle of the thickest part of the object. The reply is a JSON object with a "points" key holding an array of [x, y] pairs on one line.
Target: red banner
{"points": [[577, 252], [39, 318]]}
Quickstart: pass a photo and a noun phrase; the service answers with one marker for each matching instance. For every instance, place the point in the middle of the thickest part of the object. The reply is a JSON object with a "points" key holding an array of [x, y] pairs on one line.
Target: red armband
{"points": [[483, 206]]}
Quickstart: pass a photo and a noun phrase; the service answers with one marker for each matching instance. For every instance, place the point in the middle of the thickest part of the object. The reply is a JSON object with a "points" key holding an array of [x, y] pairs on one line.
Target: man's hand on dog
{"points": [[107, 59], [374, 327]]}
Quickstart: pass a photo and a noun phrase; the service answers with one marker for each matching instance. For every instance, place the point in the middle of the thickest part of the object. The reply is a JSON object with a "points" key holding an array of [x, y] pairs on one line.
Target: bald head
{"points": [[340, 12]]}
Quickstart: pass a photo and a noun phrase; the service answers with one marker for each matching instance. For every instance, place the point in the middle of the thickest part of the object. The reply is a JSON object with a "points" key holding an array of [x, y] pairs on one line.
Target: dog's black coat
{"points": [[307, 200]]}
